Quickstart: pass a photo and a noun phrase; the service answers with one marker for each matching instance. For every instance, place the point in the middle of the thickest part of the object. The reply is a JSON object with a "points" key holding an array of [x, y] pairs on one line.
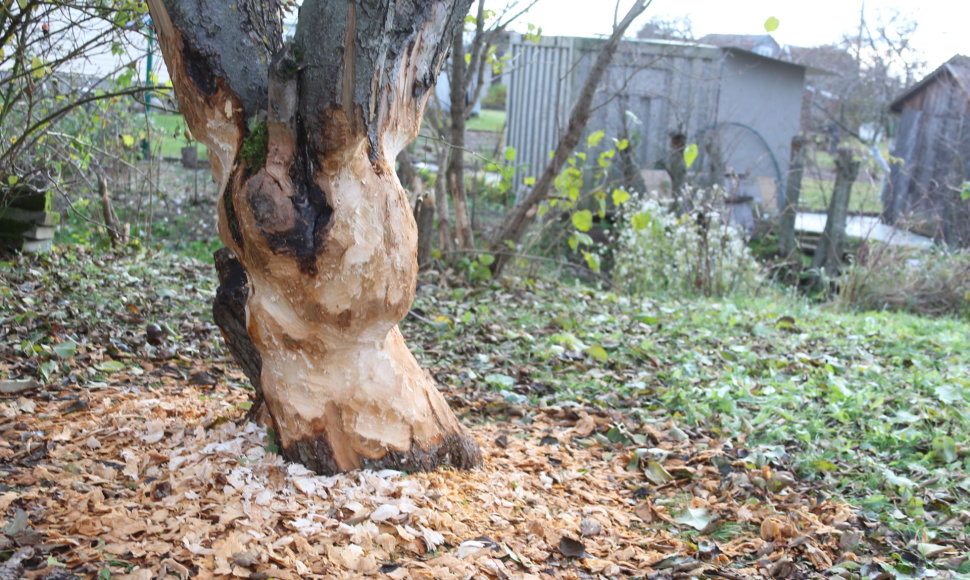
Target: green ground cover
{"points": [[487, 120], [170, 128], [875, 405]]}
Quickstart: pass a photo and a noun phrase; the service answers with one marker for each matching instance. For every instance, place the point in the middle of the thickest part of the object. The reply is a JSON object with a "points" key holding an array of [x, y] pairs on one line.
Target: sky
{"points": [[941, 24]]}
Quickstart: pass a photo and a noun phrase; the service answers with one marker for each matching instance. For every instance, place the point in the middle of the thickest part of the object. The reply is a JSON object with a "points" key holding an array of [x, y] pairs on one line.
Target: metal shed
{"points": [[927, 190], [742, 108]]}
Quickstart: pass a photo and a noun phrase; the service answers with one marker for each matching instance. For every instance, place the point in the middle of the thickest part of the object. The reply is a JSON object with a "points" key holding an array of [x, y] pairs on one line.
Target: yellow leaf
{"points": [[690, 154], [771, 24], [620, 197], [640, 221], [599, 353], [128, 140], [583, 220]]}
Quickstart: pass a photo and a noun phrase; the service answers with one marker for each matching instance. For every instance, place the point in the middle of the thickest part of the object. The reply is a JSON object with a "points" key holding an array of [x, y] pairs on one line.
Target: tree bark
{"points": [[515, 222], [467, 81], [229, 312], [117, 234], [446, 239], [455, 173], [676, 168], [303, 138]]}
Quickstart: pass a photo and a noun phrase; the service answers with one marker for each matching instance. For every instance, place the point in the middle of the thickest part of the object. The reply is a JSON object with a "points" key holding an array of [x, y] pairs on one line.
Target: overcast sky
{"points": [[942, 24]]}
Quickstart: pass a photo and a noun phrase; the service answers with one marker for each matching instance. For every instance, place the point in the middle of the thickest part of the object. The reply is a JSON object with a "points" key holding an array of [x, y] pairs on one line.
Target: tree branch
{"points": [[515, 221]]}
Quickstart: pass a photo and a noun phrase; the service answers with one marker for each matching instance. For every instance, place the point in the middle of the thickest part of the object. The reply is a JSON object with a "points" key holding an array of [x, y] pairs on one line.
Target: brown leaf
{"points": [[585, 426], [645, 512]]}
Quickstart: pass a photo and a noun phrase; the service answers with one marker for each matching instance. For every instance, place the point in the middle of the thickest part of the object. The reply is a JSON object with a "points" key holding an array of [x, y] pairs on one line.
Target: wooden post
{"points": [[793, 191], [676, 168], [190, 157], [828, 255]]}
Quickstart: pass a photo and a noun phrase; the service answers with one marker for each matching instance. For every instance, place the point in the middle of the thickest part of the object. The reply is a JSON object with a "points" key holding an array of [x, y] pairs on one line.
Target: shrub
{"points": [[932, 282], [495, 97], [697, 253]]}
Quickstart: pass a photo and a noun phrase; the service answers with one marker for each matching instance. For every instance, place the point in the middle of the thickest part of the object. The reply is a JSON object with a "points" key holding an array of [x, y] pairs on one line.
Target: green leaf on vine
{"points": [[583, 220], [690, 154]]}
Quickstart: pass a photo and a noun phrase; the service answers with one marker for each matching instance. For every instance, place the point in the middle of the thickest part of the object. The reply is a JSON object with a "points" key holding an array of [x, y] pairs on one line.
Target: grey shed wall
{"points": [[759, 112]]}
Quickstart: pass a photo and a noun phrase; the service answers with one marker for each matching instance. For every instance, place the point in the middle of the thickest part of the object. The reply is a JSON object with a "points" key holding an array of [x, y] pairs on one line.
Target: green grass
{"points": [[169, 132], [873, 405], [488, 120], [816, 194]]}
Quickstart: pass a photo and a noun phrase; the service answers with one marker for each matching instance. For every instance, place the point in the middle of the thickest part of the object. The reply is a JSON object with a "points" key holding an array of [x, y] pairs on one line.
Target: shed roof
{"points": [[762, 44], [958, 68]]}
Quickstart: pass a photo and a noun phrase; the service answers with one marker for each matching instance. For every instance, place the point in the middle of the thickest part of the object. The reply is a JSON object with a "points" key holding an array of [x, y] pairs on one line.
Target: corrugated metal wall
{"points": [[666, 86], [741, 109], [538, 98]]}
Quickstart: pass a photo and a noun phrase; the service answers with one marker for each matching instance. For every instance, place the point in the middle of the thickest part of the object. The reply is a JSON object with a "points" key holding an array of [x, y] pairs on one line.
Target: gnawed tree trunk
{"points": [[302, 139]]}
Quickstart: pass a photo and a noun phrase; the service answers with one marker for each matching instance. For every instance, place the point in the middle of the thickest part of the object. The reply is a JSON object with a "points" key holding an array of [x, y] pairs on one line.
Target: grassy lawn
{"points": [[487, 120], [872, 405], [170, 129], [816, 194]]}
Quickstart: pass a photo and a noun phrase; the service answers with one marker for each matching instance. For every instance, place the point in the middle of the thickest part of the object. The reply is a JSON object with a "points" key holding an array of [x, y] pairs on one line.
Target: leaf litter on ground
{"points": [[709, 441]]}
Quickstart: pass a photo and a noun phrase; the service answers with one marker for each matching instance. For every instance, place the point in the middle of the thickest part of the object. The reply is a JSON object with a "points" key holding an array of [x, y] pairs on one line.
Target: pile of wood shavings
{"points": [[147, 485]]}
